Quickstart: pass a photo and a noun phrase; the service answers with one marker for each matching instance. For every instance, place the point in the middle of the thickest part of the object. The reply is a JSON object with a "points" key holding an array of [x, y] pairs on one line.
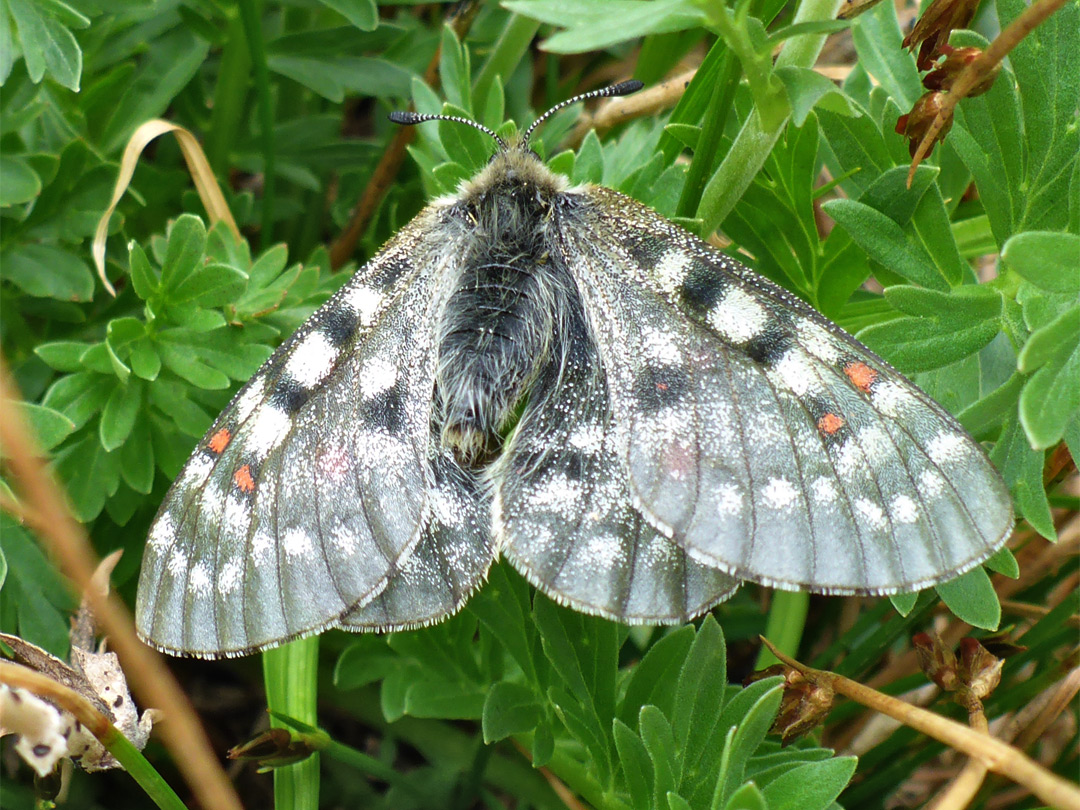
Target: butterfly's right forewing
{"points": [[312, 487]]}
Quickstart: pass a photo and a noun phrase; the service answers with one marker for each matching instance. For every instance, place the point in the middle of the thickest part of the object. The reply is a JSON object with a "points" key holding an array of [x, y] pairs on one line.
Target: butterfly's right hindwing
{"points": [[312, 487]]}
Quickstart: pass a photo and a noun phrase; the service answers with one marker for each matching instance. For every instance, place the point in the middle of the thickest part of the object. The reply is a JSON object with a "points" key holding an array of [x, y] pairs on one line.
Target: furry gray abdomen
{"points": [[500, 317]]}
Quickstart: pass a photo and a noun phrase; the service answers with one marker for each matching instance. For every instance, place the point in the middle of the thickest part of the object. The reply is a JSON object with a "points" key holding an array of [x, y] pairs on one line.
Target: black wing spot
{"points": [[645, 248], [703, 286], [769, 345], [339, 325], [659, 388], [385, 410], [289, 395]]}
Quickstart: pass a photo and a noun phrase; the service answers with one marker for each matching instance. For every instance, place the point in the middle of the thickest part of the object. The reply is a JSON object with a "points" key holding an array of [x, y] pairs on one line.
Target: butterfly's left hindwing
{"points": [[313, 486]]}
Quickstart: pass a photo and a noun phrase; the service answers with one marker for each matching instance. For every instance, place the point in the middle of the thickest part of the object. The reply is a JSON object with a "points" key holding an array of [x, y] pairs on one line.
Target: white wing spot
{"points": [[871, 513], [604, 551], [903, 509], [793, 372], [344, 539], [875, 443], [237, 516], [378, 375], [671, 270], [446, 508], [660, 346], [229, 578], [296, 543], [163, 533], [178, 562], [738, 316], [557, 492], [817, 340], [365, 302], [824, 490], [932, 483], [268, 428], [779, 493], [262, 544], [311, 360], [199, 579], [731, 500], [849, 459], [947, 447], [250, 399], [197, 470], [890, 398]]}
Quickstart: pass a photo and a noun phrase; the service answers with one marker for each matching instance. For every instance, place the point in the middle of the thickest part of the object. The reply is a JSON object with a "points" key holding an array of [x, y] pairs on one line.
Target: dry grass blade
{"points": [[994, 754], [201, 173], [150, 679]]}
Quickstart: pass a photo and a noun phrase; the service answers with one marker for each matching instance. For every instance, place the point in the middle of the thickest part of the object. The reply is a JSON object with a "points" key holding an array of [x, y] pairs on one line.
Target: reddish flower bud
{"points": [[979, 670], [937, 661], [932, 30], [944, 76], [279, 746], [915, 124]]}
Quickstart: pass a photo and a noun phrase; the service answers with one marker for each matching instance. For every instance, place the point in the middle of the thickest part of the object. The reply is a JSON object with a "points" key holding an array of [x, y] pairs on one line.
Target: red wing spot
{"points": [[219, 441], [661, 386], [243, 480], [861, 375], [829, 424]]}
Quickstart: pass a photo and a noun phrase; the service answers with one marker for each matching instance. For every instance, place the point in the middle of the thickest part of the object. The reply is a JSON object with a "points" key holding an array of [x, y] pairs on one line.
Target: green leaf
{"points": [[677, 802], [650, 681], [807, 89], [699, 694], [1048, 260], [211, 286], [509, 708], [686, 134], [813, 786], [1022, 469], [455, 74], [143, 277], [1003, 562], [145, 361], [91, 474], [48, 272], [41, 597], [877, 38], [19, 183], [137, 457], [64, 355], [747, 797], [750, 714], [177, 357], [79, 396], [904, 602], [636, 766], [502, 607], [47, 46], [184, 253], [118, 417], [362, 13], [972, 598], [945, 327], [1051, 396], [886, 242], [589, 163], [659, 741], [444, 700], [50, 427], [859, 148]]}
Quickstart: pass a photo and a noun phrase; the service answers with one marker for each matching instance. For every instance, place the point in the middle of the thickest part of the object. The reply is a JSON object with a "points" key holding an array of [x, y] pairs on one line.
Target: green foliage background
{"points": [[290, 101]]}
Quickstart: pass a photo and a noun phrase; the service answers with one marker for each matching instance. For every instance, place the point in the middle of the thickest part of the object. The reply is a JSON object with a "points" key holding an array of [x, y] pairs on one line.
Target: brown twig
{"points": [[389, 164], [1024, 24], [994, 754], [64, 697], [151, 680], [561, 790]]}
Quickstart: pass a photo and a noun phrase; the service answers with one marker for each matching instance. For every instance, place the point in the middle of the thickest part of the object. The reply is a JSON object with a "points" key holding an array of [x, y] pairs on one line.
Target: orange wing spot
{"points": [[243, 480], [661, 386], [830, 423], [219, 441], [861, 375]]}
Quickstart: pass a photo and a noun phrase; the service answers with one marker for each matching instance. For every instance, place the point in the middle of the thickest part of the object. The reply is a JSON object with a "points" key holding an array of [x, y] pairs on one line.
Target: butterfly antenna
{"points": [[411, 118], [620, 89]]}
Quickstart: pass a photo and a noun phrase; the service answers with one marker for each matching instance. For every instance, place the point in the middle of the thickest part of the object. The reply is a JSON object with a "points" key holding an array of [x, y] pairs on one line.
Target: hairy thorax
{"points": [[503, 306]]}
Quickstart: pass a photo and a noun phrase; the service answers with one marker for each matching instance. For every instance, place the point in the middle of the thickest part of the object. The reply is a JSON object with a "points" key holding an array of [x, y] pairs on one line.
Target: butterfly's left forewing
{"points": [[761, 437], [313, 486]]}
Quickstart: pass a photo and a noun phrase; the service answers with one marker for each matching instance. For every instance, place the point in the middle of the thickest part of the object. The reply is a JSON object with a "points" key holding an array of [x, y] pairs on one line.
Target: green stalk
{"points": [[291, 676], [142, 772], [230, 94], [251, 16], [509, 48], [784, 626], [712, 130], [757, 139]]}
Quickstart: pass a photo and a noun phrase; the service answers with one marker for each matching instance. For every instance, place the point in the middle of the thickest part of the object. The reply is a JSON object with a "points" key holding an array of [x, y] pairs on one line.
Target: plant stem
{"points": [[251, 16], [509, 49], [229, 96], [785, 624], [291, 676]]}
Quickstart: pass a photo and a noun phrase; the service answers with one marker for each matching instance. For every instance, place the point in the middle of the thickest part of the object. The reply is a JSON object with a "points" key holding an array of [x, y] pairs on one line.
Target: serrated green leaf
{"points": [[813, 786], [1048, 260], [49, 426], [636, 766], [972, 598], [509, 708]]}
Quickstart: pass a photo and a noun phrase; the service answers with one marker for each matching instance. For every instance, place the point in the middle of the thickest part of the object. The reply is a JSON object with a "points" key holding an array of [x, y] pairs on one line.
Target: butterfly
{"points": [[559, 376]]}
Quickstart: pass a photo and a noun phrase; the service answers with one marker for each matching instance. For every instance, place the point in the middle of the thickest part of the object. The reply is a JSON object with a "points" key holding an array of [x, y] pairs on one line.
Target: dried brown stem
{"points": [[980, 67], [66, 698], [996, 755], [150, 679]]}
